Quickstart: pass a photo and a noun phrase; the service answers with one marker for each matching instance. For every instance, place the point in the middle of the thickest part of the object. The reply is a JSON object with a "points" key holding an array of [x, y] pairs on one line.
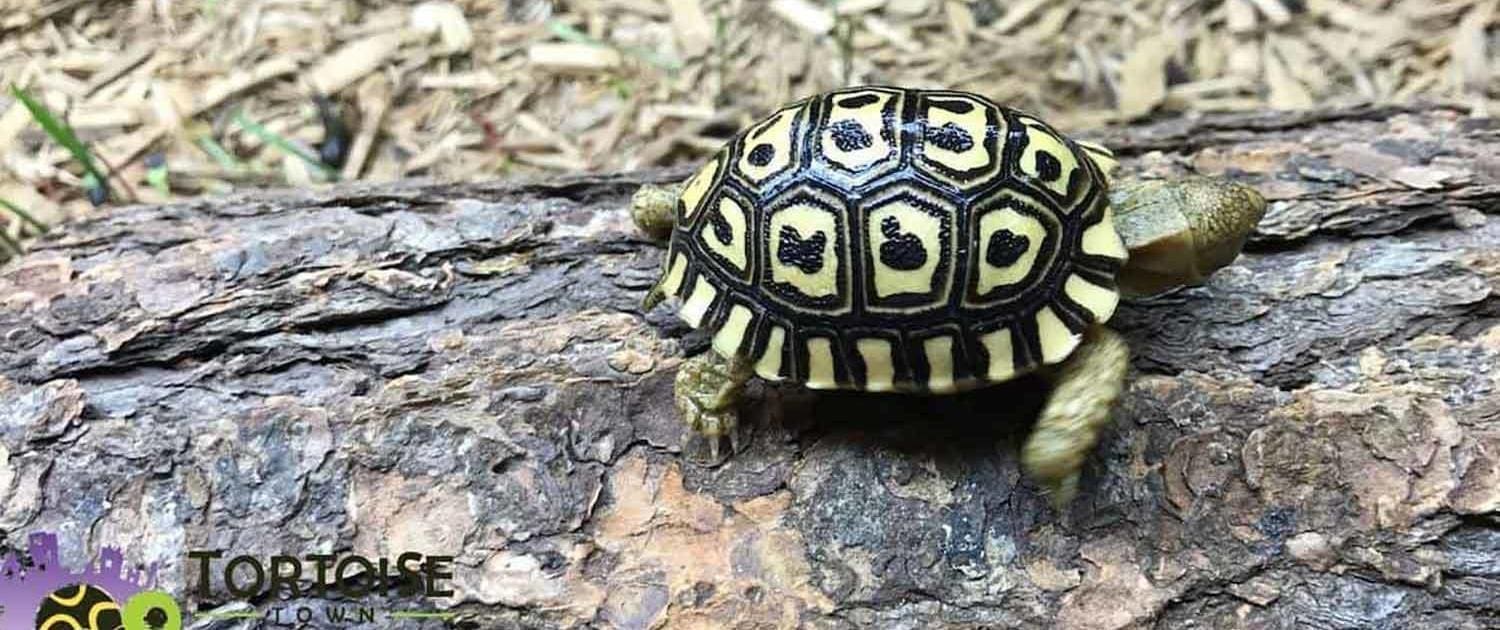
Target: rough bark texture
{"points": [[1311, 440]]}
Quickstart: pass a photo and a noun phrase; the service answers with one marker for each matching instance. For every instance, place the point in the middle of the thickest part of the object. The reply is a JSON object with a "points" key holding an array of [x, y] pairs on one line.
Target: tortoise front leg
{"points": [[654, 209], [708, 394], [1085, 390]]}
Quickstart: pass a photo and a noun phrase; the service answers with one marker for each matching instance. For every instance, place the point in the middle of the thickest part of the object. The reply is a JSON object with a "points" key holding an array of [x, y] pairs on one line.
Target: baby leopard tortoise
{"points": [[894, 240]]}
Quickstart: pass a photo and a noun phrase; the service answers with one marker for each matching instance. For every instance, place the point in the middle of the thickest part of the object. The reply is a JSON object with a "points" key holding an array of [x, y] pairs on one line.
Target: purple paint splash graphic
{"points": [[22, 588]]}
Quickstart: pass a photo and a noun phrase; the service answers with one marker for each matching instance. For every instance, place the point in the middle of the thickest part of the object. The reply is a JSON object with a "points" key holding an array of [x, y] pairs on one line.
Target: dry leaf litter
{"points": [[480, 90]]}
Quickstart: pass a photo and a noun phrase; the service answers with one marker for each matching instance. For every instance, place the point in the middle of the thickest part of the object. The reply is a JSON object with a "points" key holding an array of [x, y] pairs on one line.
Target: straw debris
{"points": [[468, 90]]}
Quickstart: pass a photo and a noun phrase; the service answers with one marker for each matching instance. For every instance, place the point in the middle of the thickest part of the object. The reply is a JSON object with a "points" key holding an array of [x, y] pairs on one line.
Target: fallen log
{"points": [[1310, 440]]}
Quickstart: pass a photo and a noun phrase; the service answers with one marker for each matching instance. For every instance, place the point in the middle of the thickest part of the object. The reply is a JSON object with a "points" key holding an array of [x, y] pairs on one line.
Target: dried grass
{"points": [[476, 89]]}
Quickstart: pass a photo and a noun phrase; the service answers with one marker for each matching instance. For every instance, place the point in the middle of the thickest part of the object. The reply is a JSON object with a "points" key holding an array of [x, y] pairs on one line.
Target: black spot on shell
{"points": [[849, 135], [900, 250], [1005, 248], [803, 253], [858, 101], [1048, 167], [762, 154], [957, 107], [722, 230], [950, 137]]}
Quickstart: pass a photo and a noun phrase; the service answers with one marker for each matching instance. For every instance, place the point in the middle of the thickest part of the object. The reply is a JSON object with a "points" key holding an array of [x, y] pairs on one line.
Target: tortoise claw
{"points": [[708, 394], [707, 450]]}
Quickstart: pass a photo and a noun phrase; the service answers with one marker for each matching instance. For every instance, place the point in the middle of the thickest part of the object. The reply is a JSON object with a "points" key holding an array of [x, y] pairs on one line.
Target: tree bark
{"points": [[1310, 440]]}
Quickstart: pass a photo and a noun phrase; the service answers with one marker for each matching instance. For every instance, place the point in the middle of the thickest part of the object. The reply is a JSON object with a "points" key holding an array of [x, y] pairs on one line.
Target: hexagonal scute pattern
{"points": [[908, 247], [724, 232], [858, 135], [805, 246], [772, 147], [884, 239], [1053, 165], [960, 138]]}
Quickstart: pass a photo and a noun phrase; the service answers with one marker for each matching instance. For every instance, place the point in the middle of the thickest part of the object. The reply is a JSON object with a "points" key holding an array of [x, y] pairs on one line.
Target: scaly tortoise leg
{"points": [[1084, 391], [708, 394], [654, 209]]}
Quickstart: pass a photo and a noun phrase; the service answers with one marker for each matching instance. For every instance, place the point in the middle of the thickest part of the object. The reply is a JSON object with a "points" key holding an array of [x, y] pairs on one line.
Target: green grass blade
{"points": [[25, 218], [156, 178], [62, 134], [222, 156], [276, 140], [10, 244], [567, 33]]}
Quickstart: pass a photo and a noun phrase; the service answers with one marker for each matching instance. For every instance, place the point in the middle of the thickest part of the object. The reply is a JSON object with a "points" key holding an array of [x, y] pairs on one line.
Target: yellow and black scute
{"points": [[887, 239]]}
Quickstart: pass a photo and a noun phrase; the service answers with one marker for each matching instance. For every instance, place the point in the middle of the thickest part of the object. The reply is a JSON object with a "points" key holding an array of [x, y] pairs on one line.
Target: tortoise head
{"points": [[1181, 231]]}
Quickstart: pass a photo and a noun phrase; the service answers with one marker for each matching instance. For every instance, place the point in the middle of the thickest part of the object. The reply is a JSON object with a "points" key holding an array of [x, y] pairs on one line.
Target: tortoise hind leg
{"points": [[708, 393], [654, 209], [1085, 390]]}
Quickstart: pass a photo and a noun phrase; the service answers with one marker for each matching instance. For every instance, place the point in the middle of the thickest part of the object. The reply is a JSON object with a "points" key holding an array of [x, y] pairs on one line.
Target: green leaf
{"points": [[63, 134], [277, 140], [25, 218]]}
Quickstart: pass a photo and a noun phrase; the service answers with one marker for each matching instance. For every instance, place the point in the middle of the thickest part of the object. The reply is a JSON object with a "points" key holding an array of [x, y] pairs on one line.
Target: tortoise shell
{"points": [[880, 239]]}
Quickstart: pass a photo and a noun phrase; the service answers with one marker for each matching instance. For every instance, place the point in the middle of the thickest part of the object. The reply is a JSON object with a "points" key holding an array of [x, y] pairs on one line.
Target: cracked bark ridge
{"points": [[1311, 440]]}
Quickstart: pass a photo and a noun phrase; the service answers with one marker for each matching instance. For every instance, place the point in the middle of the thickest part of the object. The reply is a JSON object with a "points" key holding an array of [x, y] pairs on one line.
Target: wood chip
{"points": [[856, 7], [571, 56], [122, 150], [694, 32], [804, 15], [447, 21], [902, 40], [374, 100], [961, 23], [1275, 12], [1240, 16], [116, 69], [907, 7], [168, 114], [352, 62], [1016, 13], [1471, 61], [12, 122], [1285, 91], [1143, 77], [481, 80]]}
